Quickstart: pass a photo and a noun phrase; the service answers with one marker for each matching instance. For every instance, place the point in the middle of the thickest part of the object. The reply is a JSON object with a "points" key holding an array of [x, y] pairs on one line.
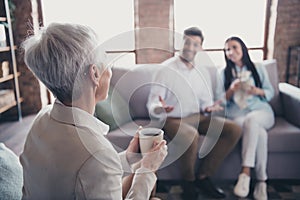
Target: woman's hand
{"points": [[132, 152], [256, 91], [154, 158], [235, 85]]}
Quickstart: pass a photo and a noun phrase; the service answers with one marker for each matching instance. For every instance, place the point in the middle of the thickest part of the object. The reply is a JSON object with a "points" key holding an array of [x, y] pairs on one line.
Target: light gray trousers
{"points": [[255, 140]]}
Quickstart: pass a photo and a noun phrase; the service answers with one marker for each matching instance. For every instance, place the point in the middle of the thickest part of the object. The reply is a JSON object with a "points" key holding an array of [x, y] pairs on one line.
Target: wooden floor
{"points": [[13, 134]]}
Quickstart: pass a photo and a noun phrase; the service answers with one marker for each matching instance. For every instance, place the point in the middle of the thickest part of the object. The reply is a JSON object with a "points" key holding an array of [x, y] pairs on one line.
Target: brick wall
{"points": [[287, 32], [154, 37], [29, 85]]}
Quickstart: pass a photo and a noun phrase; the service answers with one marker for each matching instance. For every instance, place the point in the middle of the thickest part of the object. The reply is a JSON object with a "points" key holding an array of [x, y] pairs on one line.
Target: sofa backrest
{"points": [[271, 67], [134, 85]]}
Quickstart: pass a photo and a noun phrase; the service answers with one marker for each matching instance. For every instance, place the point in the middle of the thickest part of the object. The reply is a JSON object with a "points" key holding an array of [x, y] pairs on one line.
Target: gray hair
{"points": [[60, 55]]}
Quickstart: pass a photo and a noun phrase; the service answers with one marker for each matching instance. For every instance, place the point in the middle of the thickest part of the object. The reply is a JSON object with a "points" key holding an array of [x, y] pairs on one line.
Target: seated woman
{"points": [[66, 154], [248, 91]]}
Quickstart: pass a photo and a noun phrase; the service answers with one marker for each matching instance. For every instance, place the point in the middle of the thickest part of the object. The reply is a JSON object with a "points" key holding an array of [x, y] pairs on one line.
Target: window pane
{"points": [[219, 61], [109, 19], [216, 58], [256, 55], [121, 60], [221, 19]]}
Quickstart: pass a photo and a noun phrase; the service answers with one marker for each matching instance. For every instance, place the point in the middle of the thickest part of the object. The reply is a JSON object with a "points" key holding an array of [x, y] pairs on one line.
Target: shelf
{"points": [[8, 53], [8, 77], [5, 108], [3, 49]]}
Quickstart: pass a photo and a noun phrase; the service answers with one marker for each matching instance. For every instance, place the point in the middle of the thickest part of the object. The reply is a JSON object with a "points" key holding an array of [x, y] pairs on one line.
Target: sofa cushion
{"points": [[113, 111], [283, 137], [11, 176]]}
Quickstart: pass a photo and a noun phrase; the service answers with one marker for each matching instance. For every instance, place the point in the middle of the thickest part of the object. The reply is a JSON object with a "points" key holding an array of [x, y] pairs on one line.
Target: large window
{"points": [[221, 19], [218, 19], [113, 21]]}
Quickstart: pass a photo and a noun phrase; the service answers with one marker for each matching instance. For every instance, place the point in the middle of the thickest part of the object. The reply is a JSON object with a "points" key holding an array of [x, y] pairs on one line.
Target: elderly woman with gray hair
{"points": [[66, 155]]}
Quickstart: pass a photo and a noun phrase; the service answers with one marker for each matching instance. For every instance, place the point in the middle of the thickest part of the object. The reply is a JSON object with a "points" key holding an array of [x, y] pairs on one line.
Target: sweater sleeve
{"points": [[142, 185], [100, 177], [127, 169]]}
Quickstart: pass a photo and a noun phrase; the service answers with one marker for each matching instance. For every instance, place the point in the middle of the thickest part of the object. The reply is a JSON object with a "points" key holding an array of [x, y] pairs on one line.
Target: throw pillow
{"points": [[113, 111], [11, 174]]}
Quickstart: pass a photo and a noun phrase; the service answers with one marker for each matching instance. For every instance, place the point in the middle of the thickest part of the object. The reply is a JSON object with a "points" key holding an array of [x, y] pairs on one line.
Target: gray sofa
{"points": [[127, 110]]}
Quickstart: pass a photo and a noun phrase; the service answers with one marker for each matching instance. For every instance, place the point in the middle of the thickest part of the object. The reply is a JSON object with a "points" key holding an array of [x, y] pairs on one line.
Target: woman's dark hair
{"points": [[230, 66]]}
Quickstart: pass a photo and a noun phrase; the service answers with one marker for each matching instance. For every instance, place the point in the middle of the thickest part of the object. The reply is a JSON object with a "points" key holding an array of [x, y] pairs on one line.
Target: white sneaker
{"points": [[155, 198], [260, 191], [241, 189]]}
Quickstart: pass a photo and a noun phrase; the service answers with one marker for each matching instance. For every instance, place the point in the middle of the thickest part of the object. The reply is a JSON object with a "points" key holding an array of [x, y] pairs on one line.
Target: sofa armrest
{"points": [[290, 99]]}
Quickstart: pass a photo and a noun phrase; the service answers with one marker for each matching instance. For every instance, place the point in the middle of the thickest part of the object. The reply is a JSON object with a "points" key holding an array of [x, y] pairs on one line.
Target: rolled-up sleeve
{"points": [[153, 100], [157, 89]]}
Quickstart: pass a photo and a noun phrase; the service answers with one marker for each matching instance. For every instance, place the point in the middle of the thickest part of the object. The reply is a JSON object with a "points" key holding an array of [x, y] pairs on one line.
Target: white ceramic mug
{"points": [[147, 136]]}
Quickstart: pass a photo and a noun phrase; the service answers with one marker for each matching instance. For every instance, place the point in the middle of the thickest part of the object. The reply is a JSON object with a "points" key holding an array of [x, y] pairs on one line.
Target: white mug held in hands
{"points": [[147, 137]]}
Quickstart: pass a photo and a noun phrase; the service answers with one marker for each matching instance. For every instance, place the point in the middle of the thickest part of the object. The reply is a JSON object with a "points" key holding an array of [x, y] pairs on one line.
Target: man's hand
{"points": [[164, 107], [214, 108]]}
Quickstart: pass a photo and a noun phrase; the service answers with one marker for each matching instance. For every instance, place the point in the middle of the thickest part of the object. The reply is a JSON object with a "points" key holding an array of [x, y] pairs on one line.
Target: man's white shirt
{"points": [[188, 90]]}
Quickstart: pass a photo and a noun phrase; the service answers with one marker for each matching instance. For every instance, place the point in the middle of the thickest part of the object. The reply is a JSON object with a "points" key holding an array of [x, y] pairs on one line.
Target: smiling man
{"points": [[181, 96]]}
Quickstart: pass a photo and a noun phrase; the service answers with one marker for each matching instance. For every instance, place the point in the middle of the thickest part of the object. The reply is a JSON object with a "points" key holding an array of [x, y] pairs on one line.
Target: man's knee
{"points": [[232, 130], [191, 136], [183, 134]]}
